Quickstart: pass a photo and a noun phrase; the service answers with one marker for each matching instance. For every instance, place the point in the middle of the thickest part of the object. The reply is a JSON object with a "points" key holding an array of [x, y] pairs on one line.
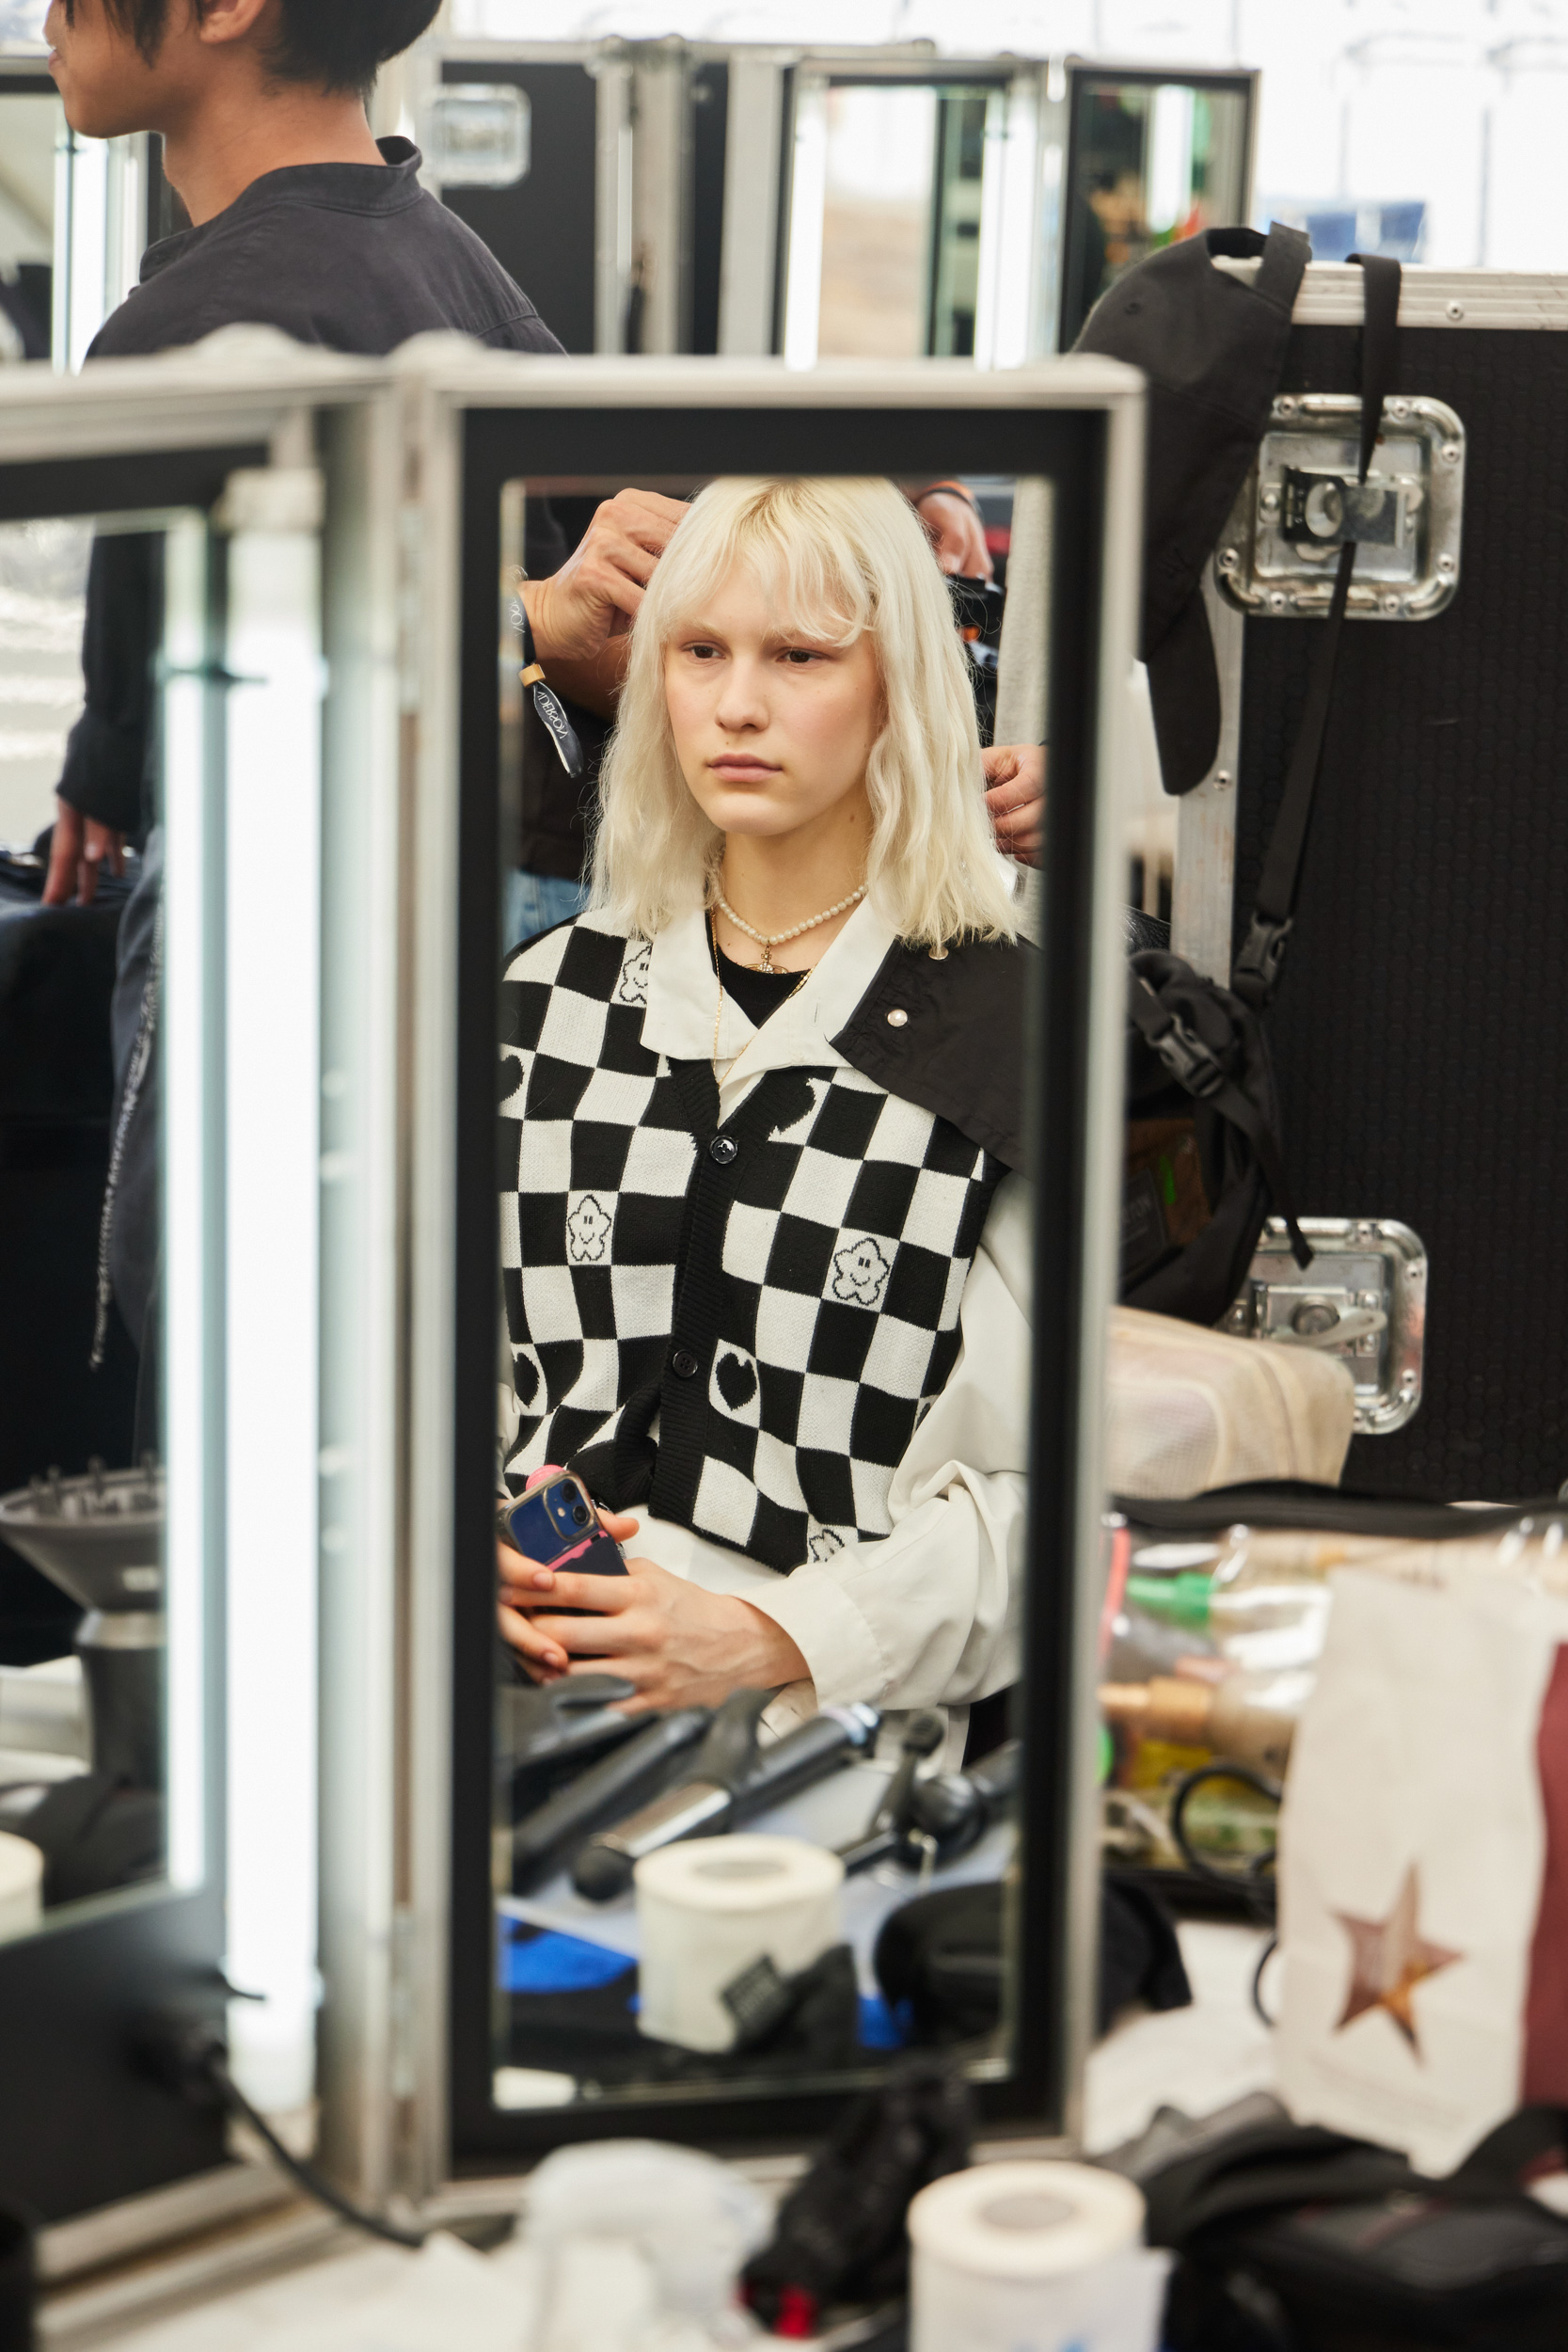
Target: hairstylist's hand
{"points": [[79, 845], [579, 616], [1015, 778], [679, 1643], [957, 533]]}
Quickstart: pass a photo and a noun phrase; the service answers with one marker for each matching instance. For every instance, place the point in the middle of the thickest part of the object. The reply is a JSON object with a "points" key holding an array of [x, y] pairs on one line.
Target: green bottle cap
{"points": [[1181, 1599]]}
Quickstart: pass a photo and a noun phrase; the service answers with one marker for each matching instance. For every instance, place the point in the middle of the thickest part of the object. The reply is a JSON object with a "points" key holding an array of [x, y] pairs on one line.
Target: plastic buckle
{"points": [[1188, 1060], [1262, 959]]}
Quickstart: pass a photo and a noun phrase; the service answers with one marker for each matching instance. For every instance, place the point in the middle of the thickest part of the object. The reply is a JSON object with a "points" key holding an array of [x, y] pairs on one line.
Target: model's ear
{"points": [[221, 21]]}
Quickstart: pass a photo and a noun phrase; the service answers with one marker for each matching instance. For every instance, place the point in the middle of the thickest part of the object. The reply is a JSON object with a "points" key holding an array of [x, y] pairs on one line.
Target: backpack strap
{"points": [[1495, 2166], [1192, 1066], [1261, 960]]}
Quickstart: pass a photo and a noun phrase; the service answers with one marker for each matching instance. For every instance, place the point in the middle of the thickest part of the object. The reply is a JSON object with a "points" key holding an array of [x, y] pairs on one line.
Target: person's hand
{"points": [[80, 845], [957, 533], [524, 1583], [592, 599], [677, 1644], [1015, 778]]}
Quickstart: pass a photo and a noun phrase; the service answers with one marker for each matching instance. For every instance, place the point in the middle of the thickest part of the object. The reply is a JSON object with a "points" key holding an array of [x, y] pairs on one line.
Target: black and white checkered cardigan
{"points": [[781, 1292]]}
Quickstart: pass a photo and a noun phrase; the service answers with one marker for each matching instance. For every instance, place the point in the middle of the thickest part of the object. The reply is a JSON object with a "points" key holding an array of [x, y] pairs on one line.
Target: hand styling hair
{"points": [[838, 558]]}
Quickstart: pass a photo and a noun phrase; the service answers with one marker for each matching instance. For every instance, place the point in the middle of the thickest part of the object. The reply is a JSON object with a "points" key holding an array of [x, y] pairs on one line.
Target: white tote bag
{"points": [[1424, 1859]]}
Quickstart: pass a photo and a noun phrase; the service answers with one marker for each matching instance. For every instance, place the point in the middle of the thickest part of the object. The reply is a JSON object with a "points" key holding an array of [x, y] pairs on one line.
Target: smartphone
{"points": [[555, 1524]]}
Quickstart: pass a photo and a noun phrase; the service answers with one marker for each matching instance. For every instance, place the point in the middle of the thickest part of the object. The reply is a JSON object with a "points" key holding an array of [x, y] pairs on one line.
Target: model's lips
{"points": [[737, 764]]}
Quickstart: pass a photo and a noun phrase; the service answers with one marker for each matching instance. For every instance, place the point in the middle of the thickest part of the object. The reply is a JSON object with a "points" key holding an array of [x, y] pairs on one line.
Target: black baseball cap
{"points": [[1213, 348]]}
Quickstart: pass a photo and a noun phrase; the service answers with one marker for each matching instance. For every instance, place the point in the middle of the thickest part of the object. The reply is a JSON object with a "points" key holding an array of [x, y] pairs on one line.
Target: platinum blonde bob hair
{"points": [[838, 559]]}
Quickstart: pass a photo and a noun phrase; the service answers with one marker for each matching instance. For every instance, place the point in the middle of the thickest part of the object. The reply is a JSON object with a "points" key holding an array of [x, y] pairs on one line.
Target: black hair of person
{"points": [[327, 44]]}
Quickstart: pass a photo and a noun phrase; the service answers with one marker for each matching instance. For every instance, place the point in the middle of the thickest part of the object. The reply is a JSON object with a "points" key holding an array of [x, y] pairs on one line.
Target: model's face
{"points": [[773, 728]]}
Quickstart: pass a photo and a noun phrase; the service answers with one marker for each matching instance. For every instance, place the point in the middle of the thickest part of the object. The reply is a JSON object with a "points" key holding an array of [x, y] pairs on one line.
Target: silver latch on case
{"points": [[1363, 1299], [1302, 502]]}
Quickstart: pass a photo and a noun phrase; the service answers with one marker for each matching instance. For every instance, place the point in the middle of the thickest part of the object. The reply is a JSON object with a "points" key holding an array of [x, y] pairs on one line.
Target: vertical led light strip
{"points": [[99, 235], [808, 198], [1007, 227], [272, 1247], [187, 1009]]}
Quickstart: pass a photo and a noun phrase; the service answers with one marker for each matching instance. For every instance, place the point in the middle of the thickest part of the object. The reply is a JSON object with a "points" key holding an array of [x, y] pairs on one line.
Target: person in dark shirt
{"points": [[300, 220]]}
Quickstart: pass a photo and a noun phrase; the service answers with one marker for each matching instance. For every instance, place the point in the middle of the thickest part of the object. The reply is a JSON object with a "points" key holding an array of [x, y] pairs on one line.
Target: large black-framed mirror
{"points": [[1067, 437]]}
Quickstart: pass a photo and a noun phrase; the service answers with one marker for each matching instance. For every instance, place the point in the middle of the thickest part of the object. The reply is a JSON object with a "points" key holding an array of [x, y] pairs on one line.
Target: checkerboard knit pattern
{"points": [[739, 1326]]}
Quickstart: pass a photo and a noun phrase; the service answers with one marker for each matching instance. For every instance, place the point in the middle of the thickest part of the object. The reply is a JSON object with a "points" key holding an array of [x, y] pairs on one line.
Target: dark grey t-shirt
{"points": [[349, 254], [355, 257]]}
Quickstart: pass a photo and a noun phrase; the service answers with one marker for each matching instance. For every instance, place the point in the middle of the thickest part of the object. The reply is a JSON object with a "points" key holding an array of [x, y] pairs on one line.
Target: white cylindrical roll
{"points": [[20, 1887], [1033, 2257], [712, 1910]]}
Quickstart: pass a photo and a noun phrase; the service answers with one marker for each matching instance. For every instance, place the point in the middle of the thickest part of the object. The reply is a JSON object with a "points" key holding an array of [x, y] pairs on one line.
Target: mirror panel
{"points": [[105, 1430], [1151, 161], [802, 1830]]}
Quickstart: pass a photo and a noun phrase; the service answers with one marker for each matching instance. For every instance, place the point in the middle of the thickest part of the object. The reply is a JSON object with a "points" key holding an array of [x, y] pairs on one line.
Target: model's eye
{"points": [[801, 655], [704, 653]]}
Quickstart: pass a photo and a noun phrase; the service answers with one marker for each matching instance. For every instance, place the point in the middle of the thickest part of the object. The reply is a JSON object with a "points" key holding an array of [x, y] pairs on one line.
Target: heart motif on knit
{"points": [[738, 1381]]}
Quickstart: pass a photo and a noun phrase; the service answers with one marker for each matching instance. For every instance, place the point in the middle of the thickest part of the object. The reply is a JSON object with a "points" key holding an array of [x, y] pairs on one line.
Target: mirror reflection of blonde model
{"points": [[764, 1260]]}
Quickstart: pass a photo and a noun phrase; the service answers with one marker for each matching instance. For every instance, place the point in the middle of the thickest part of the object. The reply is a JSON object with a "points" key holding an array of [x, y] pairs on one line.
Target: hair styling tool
{"points": [[924, 1822], [547, 701], [733, 1778], [625, 1777]]}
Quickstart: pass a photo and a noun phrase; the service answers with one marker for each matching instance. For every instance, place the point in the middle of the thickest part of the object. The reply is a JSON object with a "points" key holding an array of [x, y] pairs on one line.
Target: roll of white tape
{"points": [[21, 1886], [714, 1916], [1033, 2257]]}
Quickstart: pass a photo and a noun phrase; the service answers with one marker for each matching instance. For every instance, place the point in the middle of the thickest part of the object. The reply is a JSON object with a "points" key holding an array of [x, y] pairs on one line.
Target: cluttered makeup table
{"points": [[344, 2294]]}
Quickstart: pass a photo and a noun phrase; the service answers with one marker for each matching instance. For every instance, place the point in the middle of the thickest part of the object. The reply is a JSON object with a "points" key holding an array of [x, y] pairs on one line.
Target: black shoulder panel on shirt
{"points": [[959, 1053]]}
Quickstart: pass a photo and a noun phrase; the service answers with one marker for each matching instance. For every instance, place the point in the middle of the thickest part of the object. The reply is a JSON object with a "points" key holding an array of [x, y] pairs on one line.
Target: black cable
{"points": [[1263, 1959], [192, 2059], [1259, 1901]]}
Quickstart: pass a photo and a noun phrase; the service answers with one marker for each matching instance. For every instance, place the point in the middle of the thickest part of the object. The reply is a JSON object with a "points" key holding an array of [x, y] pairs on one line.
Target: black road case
{"points": [[1419, 1031]]}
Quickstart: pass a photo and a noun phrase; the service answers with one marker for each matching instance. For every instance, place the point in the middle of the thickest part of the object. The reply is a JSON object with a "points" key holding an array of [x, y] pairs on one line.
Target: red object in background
{"points": [[796, 2314], [1116, 1585], [998, 539]]}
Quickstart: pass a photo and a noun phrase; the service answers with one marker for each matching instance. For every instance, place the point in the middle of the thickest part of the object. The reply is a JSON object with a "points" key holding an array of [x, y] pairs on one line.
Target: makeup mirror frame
{"points": [[165, 437], [472, 427]]}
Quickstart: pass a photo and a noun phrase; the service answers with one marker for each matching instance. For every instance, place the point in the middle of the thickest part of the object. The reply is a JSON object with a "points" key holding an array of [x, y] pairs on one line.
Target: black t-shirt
{"points": [[757, 993], [355, 256]]}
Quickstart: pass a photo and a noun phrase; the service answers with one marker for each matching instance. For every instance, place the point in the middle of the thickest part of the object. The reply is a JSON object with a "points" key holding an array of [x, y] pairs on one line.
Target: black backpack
{"points": [[1204, 1166], [1290, 2238]]}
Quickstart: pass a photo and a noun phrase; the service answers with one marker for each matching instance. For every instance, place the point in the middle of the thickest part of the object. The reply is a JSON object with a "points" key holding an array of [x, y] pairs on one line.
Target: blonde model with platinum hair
{"points": [[764, 1233], [840, 560]]}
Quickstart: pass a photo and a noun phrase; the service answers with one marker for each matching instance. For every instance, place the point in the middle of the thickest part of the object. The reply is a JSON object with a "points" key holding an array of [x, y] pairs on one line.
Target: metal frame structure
{"points": [[412, 457], [646, 174], [215, 440]]}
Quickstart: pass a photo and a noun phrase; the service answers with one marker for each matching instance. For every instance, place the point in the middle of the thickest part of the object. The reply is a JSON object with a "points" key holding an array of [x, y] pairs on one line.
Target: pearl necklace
{"points": [[768, 941]]}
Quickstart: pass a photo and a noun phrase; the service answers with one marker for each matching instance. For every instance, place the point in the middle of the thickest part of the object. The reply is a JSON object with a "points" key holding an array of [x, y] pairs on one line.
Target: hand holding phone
{"points": [[556, 1526]]}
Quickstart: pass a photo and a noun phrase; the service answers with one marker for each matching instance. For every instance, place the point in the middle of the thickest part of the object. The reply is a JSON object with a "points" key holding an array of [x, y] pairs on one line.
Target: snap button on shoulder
{"points": [[897, 1018], [685, 1364], [723, 1148], [939, 955]]}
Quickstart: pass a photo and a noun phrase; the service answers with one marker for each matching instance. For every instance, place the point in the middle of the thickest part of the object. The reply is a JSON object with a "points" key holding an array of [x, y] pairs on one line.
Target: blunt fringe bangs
{"points": [[326, 44], [838, 558]]}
